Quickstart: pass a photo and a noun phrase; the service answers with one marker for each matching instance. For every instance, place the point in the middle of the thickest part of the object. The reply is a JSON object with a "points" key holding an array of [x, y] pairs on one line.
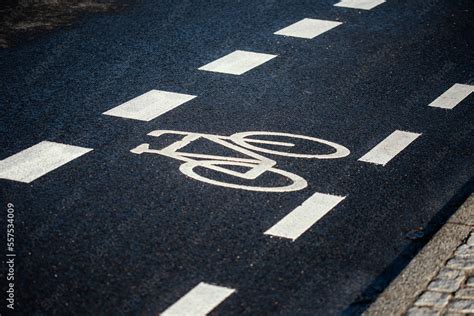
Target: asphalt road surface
{"points": [[265, 223]]}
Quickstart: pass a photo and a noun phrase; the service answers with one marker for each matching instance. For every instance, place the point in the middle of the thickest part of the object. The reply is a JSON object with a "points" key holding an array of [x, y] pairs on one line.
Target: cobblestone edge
{"points": [[434, 274], [451, 291]]}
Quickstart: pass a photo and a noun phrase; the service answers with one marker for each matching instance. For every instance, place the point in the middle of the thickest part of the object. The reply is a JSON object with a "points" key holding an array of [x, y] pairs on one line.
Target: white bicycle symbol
{"points": [[242, 143]]}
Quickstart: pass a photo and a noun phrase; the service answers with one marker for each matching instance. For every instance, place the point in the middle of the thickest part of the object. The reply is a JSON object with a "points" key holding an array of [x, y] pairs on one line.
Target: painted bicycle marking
{"points": [[246, 144]]}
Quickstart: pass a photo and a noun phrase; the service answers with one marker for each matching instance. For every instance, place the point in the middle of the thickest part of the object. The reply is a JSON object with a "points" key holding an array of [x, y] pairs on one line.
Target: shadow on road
{"points": [[22, 20]]}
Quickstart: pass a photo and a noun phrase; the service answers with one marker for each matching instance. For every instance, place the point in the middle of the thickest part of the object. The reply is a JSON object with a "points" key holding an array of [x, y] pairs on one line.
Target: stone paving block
{"points": [[433, 299], [470, 241], [461, 263], [443, 285], [465, 251], [470, 281], [462, 306], [422, 311], [450, 274], [465, 293]]}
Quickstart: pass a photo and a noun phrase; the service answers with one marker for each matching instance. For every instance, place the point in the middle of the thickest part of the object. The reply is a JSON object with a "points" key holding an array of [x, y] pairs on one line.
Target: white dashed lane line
{"points": [[308, 28], [201, 300], [453, 96], [391, 146], [38, 160], [304, 216], [150, 105], [237, 62], [359, 4]]}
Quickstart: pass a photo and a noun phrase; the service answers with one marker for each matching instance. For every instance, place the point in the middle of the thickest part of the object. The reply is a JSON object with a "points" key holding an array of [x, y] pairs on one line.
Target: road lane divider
{"points": [[308, 28], [391, 146], [38, 160], [150, 105], [453, 96], [237, 62], [200, 301], [359, 4], [304, 216]]}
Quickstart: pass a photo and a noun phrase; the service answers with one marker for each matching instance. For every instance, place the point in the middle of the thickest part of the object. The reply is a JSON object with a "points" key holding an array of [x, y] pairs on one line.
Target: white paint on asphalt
{"points": [[304, 216], [359, 4], [237, 62], [201, 300], [38, 160], [248, 146], [308, 28], [453, 96], [391, 146], [150, 105]]}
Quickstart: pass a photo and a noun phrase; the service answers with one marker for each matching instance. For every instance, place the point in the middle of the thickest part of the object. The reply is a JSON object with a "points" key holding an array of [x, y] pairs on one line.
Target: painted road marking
{"points": [[453, 96], [359, 4], [308, 28], [202, 299], [38, 160], [238, 62], [150, 105], [304, 216], [247, 145], [391, 146]]}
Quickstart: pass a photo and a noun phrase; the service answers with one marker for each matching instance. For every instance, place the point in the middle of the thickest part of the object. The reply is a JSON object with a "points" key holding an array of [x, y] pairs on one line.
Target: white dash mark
{"points": [[237, 62], [38, 160], [359, 4], [304, 216], [150, 105], [391, 146], [202, 299], [308, 28], [453, 96]]}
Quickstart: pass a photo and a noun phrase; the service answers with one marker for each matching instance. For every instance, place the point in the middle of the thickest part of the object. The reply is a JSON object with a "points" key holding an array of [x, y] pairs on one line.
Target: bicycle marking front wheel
{"points": [[187, 168]]}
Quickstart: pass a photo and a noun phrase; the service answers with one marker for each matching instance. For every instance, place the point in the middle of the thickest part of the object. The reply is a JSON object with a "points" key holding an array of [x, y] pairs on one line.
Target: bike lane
{"points": [[162, 233]]}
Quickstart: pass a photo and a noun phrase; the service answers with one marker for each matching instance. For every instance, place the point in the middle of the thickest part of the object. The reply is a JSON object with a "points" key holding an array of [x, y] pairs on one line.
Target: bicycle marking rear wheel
{"points": [[240, 139]]}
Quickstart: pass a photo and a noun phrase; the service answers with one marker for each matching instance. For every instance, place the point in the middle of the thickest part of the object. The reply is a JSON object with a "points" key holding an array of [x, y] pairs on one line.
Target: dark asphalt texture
{"points": [[115, 233]]}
